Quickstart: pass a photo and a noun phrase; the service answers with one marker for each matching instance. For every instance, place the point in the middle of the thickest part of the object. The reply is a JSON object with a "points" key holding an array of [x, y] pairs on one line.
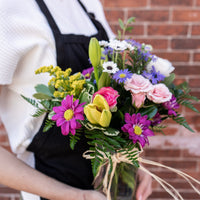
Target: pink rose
{"points": [[159, 94], [109, 94], [138, 99], [137, 84]]}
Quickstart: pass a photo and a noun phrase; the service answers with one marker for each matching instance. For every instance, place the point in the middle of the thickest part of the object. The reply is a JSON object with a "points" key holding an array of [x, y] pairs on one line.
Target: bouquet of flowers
{"points": [[118, 103]]}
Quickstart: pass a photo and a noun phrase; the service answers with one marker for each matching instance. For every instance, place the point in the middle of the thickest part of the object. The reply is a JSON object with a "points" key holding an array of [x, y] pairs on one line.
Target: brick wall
{"points": [[173, 28]]}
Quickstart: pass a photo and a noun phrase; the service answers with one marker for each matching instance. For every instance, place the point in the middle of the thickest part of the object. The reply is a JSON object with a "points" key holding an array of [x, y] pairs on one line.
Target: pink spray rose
{"points": [[159, 94], [109, 94], [137, 84]]}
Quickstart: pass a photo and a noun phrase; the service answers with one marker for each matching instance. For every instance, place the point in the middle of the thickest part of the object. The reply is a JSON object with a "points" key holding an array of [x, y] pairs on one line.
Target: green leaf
{"points": [[104, 80], [111, 132], [189, 105], [129, 29], [182, 121], [48, 124], [150, 111], [42, 96], [31, 101], [74, 139], [130, 20], [39, 112], [41, 88], [121, 24], [169, 80]]}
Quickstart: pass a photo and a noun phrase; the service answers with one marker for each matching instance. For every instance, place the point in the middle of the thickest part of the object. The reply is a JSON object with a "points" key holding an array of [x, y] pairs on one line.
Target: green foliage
{"points": [[150, 111], [169, 80], [104, 80], [74, 139], [41, 88], [48, 124], [31, 101], [39, 112], [182, 121]]}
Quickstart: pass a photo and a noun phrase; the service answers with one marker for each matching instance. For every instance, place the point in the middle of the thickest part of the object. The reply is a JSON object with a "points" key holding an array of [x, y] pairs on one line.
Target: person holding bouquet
{"points": [[36, 33]]}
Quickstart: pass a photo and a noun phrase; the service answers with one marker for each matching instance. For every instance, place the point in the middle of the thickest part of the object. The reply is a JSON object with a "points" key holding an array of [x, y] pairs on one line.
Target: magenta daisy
{"points": [[138, 128], [67, 115]]}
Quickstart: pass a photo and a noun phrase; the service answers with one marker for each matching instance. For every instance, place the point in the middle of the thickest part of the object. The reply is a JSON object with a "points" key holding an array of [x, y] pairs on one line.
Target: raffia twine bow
{"points": [[119, 157]]}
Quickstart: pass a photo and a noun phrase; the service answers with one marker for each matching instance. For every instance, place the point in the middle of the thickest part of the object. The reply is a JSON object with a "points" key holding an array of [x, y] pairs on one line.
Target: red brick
{"points": [[186, 43], [125, 3], [187, 70], [149, 15], [156, 43], [114, 15], [198, 2], [167, 29], [3, 138], [174, 56], [137, 30], [196, 57], [195, 83], [181, 164], [192, 15], [196, 93], [163, 153], [196, 30], [193, 119], [171, 3], [5, 198], [7, 190]]}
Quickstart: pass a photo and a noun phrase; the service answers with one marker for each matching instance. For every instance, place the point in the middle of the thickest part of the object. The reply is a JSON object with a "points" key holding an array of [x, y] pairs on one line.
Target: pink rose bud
{"points": [[138, 99]]}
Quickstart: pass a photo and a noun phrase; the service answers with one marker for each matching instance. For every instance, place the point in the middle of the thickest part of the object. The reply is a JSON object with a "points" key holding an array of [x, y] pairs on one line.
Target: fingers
{"points": [[144, 189]]}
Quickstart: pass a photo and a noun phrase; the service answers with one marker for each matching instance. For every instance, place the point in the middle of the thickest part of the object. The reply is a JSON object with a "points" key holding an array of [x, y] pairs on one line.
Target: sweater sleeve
{"points": [[10, 36]]}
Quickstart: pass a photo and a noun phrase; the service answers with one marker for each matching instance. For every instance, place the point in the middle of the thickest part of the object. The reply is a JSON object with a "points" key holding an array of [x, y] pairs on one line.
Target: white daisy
{"points": [[117, 45], [103, 43], [110, 67]]}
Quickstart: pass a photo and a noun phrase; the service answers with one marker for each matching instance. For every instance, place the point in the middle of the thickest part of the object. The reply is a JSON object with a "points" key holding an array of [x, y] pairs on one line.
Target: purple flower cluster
{"points": [[171, 106], [154, 76]]}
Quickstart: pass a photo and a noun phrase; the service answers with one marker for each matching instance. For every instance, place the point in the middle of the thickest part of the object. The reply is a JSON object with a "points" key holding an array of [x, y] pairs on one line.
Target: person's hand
{"points": [[144, 189], [93, 195]]}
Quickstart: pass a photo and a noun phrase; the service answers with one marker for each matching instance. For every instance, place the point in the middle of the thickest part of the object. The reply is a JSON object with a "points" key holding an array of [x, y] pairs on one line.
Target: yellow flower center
{"points": [[137, 130], [122, 75], [68, 114]]}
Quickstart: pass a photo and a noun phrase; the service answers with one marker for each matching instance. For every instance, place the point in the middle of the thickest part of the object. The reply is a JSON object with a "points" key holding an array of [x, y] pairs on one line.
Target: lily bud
{"points": [[94, 52]]}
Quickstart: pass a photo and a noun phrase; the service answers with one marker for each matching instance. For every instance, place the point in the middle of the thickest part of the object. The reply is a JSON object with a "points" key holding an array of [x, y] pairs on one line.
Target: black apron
{"points": [[53, 155]]}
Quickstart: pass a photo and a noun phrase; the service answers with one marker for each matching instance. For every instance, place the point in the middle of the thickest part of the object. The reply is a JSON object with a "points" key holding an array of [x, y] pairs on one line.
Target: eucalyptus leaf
{"points": [[121, 24], [169, 80], [131, 19], [41, 88], [42, 96]]}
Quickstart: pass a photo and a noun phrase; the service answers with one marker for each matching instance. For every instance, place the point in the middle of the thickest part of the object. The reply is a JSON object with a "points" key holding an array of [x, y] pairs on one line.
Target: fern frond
{"points": [[74, 139], [182, 121], [39, 112], [31, 101], [48, 124]]}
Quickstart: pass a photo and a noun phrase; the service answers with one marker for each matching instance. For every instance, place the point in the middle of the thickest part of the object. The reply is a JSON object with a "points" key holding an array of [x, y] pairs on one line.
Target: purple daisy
{"points": [[138, 128], [87, 72], [154, 76], [67, 115], [121, 75], [171, 106]]}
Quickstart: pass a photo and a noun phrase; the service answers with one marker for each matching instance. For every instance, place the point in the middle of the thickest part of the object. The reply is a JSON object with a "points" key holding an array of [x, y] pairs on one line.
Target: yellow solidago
{"points": [[44, 69], [75, 77]]}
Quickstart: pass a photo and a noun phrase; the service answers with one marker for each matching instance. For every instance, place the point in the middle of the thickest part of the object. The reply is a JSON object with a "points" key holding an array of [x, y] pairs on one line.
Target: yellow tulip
{"points": [[98, 111]]}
